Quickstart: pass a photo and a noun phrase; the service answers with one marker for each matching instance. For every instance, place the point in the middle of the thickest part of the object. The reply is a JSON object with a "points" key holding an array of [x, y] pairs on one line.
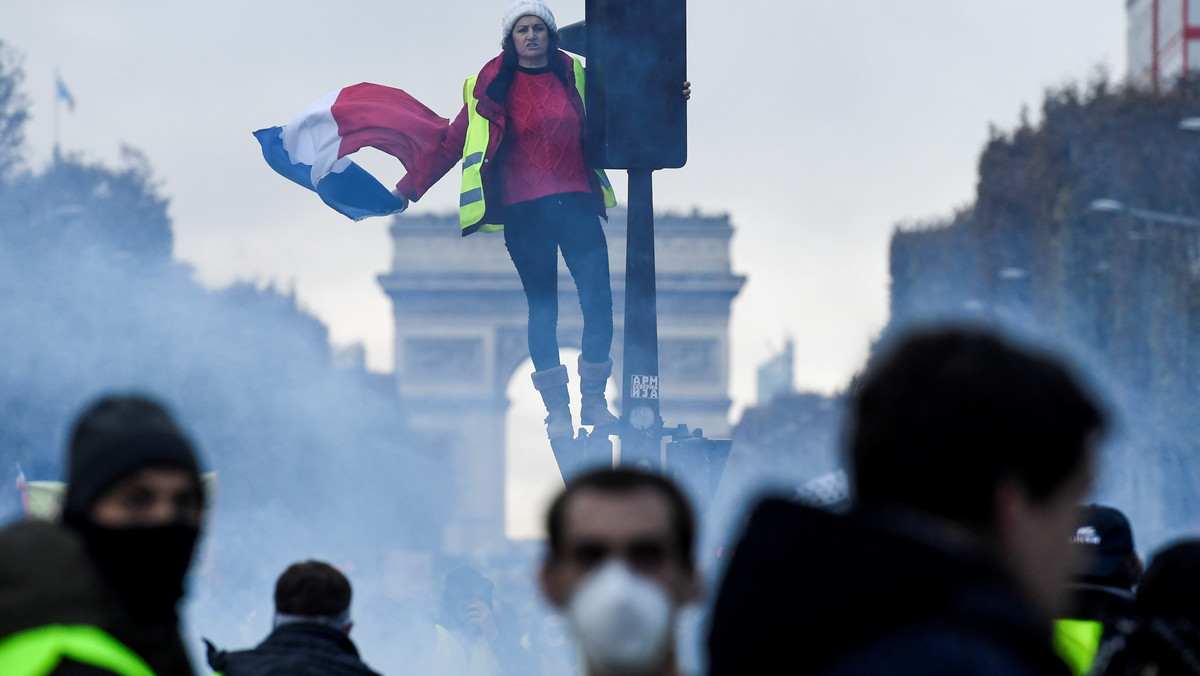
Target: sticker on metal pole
{"points": [[641, 418], [643, 387]]}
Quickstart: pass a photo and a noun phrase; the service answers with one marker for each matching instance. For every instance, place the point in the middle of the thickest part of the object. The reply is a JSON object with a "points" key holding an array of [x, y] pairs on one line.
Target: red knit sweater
{"points": [[542, 152]]}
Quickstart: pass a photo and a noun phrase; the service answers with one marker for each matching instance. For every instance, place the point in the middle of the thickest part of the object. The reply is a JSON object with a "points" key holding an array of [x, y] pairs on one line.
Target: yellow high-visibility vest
{"points": [[37, 652], [452, 658], [471, 205], [1076, 642]]}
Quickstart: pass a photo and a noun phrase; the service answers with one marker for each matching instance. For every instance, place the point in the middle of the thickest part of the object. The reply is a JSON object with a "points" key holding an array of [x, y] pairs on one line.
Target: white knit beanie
{"points": [[522, 8]]}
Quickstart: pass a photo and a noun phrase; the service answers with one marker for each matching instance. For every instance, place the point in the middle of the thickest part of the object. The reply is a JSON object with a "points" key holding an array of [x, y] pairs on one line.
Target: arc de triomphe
{"points": [[460, 320]]}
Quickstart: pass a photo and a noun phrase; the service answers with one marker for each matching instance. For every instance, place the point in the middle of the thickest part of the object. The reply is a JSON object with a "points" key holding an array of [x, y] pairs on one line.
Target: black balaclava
{"points": [[145, 566]]}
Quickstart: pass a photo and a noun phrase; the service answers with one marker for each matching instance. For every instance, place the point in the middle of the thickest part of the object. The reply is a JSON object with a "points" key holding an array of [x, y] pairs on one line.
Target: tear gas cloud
{"points": [[313, 460]]}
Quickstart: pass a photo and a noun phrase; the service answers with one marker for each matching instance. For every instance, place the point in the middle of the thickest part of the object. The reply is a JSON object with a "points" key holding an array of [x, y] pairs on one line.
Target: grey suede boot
{"points": [[592, 380], [552, 385]]}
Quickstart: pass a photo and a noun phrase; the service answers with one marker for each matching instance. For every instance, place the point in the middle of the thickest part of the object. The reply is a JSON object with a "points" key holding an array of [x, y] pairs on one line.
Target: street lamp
{"points": [[1107, 205], [1112, 206]]}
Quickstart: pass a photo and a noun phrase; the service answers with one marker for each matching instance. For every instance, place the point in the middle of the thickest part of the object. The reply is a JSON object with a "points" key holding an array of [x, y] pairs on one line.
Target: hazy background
{"points": [[818, 126]]}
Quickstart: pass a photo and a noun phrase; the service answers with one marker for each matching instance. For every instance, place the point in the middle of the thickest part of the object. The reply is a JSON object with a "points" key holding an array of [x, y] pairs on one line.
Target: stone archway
{"points": [[460, 320]]}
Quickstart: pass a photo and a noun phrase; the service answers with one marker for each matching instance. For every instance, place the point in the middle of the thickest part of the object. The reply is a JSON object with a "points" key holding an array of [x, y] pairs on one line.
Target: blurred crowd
{"points": [[968, 545]]}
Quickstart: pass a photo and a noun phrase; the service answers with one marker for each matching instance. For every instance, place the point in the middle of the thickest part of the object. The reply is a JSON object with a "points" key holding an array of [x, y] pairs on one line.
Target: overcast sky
{"points": [[818, 126]]}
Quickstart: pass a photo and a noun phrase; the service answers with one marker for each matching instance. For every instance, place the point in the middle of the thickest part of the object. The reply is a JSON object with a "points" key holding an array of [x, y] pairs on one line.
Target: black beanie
{"points": [[114, 438]]}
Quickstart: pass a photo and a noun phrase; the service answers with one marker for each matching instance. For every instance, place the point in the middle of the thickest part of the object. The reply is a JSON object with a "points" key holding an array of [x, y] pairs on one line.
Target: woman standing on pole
{"points": [[519, 137]]}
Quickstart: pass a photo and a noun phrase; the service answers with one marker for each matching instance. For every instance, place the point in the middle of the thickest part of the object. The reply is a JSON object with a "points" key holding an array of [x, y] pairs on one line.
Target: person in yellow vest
{"points": [[1101, 591], [97, 593], [471, 640], [520, 140], [52, 608]]}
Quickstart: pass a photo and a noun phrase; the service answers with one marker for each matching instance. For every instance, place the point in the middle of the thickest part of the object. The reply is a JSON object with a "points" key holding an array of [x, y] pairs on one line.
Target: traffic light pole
{"points": [[636, 54], [641, 431]]}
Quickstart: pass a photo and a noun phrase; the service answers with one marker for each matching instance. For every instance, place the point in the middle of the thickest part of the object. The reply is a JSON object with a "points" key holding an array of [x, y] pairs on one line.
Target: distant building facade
{"points": [[1163, 40], [460, 321], [775, 375]]}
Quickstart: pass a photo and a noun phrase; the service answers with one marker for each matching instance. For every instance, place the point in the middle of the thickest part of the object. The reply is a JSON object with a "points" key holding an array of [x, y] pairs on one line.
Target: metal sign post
{"points": [[641, 431]]}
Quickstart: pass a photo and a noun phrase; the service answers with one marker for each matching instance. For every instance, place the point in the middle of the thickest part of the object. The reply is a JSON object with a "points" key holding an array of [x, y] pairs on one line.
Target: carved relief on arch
{"points": [[454, 358], [690, 360]]}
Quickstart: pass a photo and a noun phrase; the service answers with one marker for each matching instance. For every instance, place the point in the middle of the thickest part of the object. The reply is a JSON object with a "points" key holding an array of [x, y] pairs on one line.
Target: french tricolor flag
{"points": [[312, 149]]}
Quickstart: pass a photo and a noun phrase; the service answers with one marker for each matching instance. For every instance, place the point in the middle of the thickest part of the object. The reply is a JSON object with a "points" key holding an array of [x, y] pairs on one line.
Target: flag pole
{"points": [[57, 102]]}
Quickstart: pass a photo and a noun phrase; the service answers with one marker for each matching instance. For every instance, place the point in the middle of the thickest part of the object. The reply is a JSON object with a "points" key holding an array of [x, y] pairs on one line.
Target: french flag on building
{"points": [[312, 149]]}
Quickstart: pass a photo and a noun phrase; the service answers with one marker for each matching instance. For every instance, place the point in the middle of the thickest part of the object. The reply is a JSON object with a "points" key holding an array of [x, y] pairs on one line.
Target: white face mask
{"points": [[623, 622]]}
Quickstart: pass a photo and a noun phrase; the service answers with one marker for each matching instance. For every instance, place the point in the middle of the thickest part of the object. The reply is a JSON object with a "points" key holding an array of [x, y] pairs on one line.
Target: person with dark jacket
{"points": [[312, 630], [52, 607], [969, 455], [1163, 636], [101, 588], [1101, 590]]}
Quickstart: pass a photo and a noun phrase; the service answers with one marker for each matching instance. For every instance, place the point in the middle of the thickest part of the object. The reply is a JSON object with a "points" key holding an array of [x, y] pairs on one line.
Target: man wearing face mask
{"points": [[620, 565], [130, 522]]}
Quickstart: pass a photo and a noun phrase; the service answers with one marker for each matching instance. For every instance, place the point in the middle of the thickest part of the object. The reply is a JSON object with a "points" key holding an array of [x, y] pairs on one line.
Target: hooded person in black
{"points": [[312, 630], [135, 497], [103, 585], [969, 457]]}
